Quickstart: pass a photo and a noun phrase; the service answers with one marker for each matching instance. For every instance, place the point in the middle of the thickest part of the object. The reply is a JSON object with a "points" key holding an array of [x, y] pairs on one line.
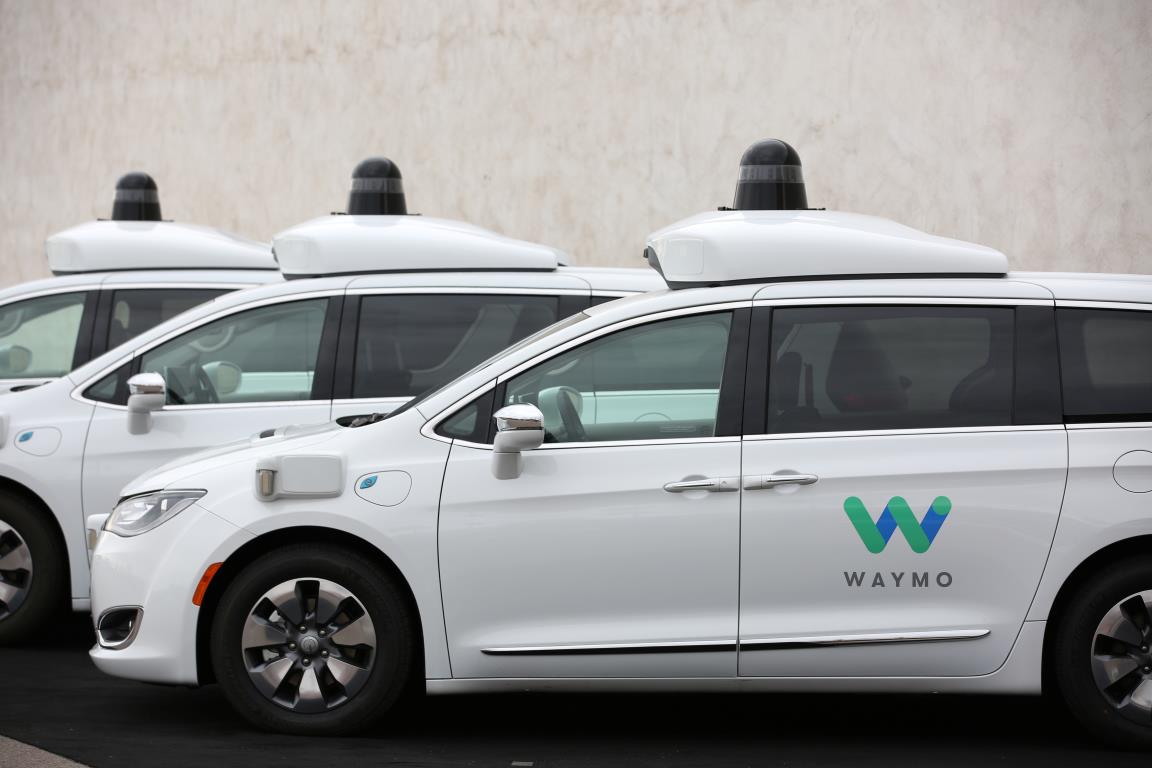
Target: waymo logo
{"points": [[897, 514]]}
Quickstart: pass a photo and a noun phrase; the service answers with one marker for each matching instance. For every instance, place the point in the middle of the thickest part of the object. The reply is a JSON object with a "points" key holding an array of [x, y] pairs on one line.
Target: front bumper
{"points": [[158, 572]]}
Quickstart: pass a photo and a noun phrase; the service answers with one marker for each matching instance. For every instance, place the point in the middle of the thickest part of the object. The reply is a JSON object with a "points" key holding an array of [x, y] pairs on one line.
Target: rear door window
{"points": [[1106, 364], [133, 311], [409, 344], [883, 368]]}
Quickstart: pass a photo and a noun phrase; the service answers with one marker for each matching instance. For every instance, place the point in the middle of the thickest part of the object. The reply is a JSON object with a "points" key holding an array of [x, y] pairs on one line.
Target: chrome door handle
{"points": [[712, 484], [762, 482]]}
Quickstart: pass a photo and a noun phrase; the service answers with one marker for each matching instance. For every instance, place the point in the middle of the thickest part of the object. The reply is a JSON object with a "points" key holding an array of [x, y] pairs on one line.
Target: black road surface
{"points": [[52, 697]]}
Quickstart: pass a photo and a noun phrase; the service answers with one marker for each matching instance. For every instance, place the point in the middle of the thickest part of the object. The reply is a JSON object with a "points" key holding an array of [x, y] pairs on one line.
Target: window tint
{"points": [[38, 336], [655, 381], [866, 368], [1106, 364], [136, 310], [471, 421], [410, 344], [264, 354], [113, 388]]}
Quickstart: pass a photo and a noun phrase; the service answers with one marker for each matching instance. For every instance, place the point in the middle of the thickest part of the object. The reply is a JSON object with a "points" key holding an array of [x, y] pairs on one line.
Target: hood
{"points": [[271, 441]]}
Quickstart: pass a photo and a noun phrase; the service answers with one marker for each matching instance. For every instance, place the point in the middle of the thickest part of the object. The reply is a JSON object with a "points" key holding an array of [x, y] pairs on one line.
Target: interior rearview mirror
{"points": [[519, 428], [146, 393]]}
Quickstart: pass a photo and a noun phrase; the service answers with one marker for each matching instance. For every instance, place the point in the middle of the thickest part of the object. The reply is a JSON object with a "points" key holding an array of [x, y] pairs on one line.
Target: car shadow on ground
{"points": [[55, 699]]}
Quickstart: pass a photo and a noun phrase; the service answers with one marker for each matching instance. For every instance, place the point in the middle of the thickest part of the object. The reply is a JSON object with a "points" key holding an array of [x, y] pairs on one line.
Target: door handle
{"points": [[762, 482], [712, 484]]}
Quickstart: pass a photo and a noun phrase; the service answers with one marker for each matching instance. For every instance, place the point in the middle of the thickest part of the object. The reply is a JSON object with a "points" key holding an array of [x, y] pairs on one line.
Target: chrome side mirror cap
{"points": [[519, 428], [146, 393]]}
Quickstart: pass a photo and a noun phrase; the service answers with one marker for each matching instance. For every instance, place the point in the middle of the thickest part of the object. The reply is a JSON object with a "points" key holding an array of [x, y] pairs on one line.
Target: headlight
{"points": [[138, 514]]}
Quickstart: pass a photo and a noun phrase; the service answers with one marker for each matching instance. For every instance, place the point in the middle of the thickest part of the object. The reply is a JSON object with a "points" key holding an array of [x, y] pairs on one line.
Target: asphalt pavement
{"points": [[53, 698]]}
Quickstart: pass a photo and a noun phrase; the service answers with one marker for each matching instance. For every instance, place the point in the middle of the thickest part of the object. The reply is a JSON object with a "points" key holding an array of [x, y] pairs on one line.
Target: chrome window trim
{"points": [[51, 292], [178, 286], [1086, 304], [475, 291], [430, 424], [942, 301], [1112, 425], [397, 399], [608, 443], [906, 432], [615, 294], [77, 395]]}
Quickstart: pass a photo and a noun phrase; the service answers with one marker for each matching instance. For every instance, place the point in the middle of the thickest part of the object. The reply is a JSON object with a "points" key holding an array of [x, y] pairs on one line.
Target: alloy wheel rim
{"points": [[308, 645], [1122, 657], [15, 570]]}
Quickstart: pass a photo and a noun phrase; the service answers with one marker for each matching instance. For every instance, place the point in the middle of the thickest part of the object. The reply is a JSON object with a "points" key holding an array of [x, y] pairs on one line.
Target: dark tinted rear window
{"points": [[407, 345], [1106, 364], [879, 368]]}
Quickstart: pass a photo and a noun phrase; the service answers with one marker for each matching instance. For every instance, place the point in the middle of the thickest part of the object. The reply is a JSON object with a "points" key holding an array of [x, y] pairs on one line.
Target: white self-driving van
{"points": [[114, 279], [408, 303], [838, 455]]}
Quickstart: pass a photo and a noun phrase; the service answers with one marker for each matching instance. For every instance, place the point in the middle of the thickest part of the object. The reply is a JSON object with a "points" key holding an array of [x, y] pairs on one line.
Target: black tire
{"points": [[43, 587], [1074, 644], [394, 659]]}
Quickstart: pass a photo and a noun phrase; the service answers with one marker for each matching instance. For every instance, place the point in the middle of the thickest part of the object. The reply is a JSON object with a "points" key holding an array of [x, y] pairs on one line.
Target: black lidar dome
{"points": [[377, 189], [771, 179], [137, 199]]}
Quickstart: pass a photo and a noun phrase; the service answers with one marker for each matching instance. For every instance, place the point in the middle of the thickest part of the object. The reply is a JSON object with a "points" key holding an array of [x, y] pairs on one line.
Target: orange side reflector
{"points": [[205, 580]]}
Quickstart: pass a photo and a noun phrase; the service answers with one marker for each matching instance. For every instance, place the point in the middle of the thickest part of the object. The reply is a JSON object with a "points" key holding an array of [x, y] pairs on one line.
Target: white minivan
{"points": [[839, 455], [114, 279], [411, 303]]}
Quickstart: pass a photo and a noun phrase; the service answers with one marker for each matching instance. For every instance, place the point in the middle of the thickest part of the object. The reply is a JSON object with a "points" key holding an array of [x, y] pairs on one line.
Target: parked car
{"points": [[839, 455], [414, 302], [114, 279]]}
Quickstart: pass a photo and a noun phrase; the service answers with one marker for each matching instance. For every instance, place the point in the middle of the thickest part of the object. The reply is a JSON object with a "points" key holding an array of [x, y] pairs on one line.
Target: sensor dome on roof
{"points": [[137, 198], [772, 235], [377, 236], [377, 189], [771, 179]]}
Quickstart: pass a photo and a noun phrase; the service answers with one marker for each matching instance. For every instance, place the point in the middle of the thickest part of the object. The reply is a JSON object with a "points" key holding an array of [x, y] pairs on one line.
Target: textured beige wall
{"points": [[1023, 124]]}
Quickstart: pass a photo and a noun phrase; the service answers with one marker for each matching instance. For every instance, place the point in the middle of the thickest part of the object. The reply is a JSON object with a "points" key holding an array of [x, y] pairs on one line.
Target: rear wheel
{"points": [[1103, 654], [314, 640], [32, 570]]}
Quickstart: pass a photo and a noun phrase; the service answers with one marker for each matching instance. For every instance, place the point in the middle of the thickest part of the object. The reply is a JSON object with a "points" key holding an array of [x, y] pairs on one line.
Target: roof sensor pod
{"points": [[378, 236], [137, 198], [377, 189], [772, 235], [771, 179]]}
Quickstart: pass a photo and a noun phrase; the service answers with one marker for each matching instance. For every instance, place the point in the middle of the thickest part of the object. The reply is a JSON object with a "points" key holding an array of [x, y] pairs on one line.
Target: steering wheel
{"points": [[182, 392], [204, 383], [566, 400]]}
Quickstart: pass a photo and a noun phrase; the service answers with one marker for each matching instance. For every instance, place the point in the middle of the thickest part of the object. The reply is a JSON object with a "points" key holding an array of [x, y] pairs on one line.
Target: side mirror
{"points": [[518, 428], [146, 393]]}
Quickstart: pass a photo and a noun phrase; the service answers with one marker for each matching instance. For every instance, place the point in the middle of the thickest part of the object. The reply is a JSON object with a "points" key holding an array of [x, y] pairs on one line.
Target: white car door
{"points": [[227, 379], [903, 484], [598, 560]]}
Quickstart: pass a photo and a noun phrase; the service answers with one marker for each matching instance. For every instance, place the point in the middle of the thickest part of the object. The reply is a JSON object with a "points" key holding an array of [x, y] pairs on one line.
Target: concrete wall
{"points": [[1023, 124]]}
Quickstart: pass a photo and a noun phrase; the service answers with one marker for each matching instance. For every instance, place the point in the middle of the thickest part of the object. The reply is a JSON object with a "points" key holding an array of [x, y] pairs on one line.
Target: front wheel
{"points": [[33, 570], [1103, 654], [313, 640]]}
